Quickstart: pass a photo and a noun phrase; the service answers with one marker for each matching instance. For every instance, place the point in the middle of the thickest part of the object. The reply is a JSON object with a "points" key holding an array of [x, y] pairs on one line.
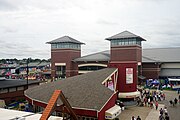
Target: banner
{"points": [[129, 75]]}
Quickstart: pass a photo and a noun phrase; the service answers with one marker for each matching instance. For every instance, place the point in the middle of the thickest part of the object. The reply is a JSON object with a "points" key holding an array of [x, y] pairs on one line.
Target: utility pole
{"points": [[27, 71]]}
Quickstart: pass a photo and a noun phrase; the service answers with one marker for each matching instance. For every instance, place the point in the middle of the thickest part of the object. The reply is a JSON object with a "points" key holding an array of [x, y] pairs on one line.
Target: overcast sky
{"points": [[26, 25]]}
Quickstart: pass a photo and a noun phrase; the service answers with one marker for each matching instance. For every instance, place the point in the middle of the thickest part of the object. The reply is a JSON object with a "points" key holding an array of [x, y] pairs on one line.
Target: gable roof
{"points": [[124, 35], [81, 91], [65, 39]]}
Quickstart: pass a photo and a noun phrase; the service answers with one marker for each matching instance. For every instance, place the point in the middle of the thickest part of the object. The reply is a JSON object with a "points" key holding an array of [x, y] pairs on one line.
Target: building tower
{"points": [[63, 51], [126, 55]]}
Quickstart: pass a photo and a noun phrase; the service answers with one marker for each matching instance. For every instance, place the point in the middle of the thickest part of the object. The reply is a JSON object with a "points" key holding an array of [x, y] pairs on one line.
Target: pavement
{"points": [[146, 113], [154, 114]]}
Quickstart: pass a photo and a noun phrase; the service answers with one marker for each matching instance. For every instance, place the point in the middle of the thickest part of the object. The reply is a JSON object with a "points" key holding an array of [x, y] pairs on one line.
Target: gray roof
{"points": [[100, 56], [123, 35], [43, 64], [65, 39], [163, 54], [82, 91], [7, 83], [34, 64], [148, 55]]}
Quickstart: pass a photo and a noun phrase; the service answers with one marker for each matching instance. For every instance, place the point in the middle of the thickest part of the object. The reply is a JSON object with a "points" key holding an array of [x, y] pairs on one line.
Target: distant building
{"points": [[13, 90]]}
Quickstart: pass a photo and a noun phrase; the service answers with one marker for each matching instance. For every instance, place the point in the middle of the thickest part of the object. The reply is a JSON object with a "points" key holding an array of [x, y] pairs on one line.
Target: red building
{"points": [[63, 51], [13, 90], [93, 95], [126, 55]]}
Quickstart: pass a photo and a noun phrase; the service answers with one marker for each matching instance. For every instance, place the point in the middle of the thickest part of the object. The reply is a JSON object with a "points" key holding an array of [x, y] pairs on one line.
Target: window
{"points": [[65, 45], [127, 41], [91, 68], [12, 89], [61, 71], [3, 90], [53, 46]]}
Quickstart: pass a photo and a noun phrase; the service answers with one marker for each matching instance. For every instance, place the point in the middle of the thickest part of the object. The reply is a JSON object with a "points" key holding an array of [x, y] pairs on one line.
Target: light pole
{"points": [[27, 71]]}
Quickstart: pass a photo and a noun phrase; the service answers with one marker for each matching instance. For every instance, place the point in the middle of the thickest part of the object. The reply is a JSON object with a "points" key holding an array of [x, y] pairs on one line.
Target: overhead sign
{"points": [[129, 75]]}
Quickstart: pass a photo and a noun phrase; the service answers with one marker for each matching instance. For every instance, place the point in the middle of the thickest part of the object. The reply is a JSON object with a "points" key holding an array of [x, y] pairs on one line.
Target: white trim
{"points": [[109, 76], [85, 109], [107, 101], [92, 64], [129, 94], [115, 78], [60, 64], [83, 71]]}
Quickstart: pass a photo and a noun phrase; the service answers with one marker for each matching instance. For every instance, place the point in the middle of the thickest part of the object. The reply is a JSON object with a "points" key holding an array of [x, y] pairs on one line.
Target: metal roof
{"points": [[100, 56], [148, 55], [162, 54], [82, 91], [123, 35], [43, 64], [7, 83], [65, 39]]}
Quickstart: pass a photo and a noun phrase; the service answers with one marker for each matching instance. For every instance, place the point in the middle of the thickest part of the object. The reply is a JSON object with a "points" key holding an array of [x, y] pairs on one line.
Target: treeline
{"points": [[19, 61]]}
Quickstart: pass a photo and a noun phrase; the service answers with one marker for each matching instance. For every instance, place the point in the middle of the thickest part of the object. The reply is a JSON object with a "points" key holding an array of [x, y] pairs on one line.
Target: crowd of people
{"points": [[163, 114], [150, 98]]}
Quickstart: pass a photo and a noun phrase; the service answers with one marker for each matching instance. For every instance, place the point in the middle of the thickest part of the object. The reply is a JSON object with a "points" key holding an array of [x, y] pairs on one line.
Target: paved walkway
{"points": [[154, 114], [146, 113]]}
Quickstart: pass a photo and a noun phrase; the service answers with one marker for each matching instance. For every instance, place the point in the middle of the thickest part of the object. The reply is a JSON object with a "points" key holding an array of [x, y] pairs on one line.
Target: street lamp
{"points": [[27, 71]]}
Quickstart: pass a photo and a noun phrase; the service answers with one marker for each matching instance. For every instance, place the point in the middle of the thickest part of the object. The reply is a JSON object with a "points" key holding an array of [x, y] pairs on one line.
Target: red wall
{"points": [[109, 104], [80, 112], [65, 56], [84, 112], [121, 81], [16, 95], [126, 53], [151, 70]]}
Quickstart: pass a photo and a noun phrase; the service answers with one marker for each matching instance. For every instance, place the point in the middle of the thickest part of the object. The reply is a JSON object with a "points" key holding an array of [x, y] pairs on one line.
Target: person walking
{"points": [[165, 111], [156, 104], [175, 101], [161, 117], [166, 117], [138, 118], [161, 111], [133, 118]]}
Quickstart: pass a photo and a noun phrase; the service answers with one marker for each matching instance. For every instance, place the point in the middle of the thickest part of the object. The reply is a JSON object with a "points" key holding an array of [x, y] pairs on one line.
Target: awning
{"points": [[129, 94], [141, 77], [171, 79], [113, 112]]}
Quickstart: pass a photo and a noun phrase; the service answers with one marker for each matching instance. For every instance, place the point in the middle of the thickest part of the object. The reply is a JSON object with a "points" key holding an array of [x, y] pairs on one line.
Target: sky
{"points": [[26, 25]]}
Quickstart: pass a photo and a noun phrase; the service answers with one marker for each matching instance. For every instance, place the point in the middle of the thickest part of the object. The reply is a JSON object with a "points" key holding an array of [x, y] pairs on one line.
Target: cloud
{"points": [[104, 22], [26, 25], [21, 50], [6, 5]]}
